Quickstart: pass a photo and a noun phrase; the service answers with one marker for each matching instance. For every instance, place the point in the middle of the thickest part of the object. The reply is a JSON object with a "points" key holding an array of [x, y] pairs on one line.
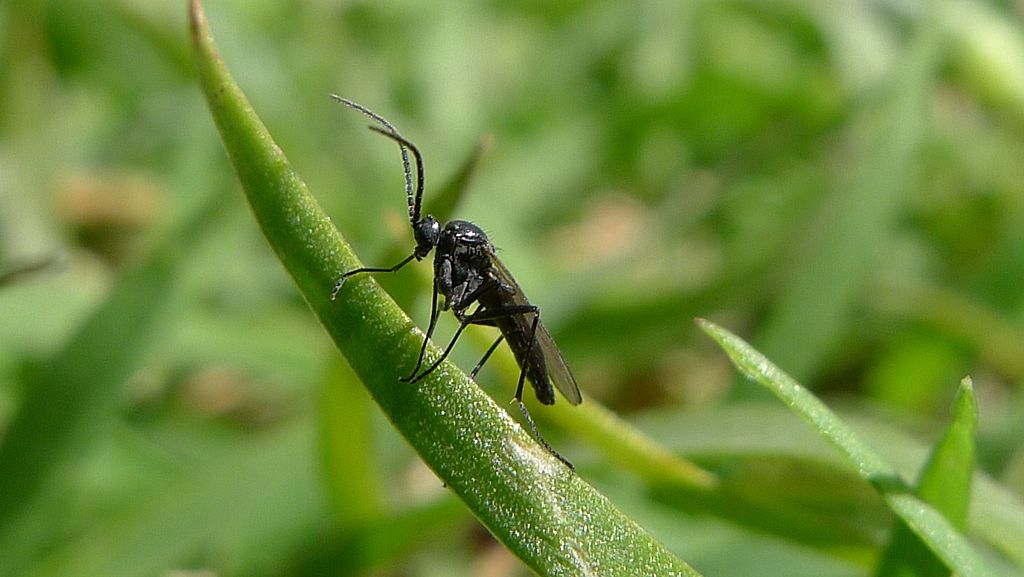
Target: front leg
{"points": [[481, 316], [434, 313]]}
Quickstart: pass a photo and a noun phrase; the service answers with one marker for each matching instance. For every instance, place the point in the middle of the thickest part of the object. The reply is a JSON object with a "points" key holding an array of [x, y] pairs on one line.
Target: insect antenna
{"points": [[403, 143], [413, 200]]}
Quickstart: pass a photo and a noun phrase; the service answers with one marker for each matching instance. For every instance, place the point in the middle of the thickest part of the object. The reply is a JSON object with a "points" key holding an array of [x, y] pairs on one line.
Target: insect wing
{"points": [[558, 370]]}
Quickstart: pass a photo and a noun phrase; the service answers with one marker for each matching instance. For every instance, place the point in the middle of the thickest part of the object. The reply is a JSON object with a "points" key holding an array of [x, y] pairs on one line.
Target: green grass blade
{"points": [[630, 449], [346, 447], [998, 339], [721, 434], [71, 400], [946, 485], [543, 512], [200, 511], [449, 196], [620, 442], [813, 309], [365, 549], [935, 530], [11, 273]]}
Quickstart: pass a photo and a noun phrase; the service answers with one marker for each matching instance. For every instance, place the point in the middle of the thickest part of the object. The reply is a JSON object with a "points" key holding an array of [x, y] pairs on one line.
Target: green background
{"points": [[840, 183]]}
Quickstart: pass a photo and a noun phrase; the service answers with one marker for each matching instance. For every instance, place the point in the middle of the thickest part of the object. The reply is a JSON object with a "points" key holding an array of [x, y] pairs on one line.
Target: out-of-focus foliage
{"points": [[839, 182]]}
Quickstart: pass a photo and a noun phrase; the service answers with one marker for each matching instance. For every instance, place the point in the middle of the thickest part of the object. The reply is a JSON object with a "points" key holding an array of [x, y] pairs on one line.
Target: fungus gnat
{"points": [[466, 272]]}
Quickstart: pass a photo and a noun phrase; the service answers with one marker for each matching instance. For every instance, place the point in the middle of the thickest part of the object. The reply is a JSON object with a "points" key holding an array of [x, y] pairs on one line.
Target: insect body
{"points": [[468, 272]]}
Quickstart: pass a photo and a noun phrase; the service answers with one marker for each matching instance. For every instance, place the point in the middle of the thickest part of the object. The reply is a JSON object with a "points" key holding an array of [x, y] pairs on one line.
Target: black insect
{"points": [[466, 272]]}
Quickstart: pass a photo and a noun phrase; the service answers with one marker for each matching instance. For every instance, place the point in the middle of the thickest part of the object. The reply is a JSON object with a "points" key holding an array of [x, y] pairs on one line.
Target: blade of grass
{"points": [[946, 484], [996, 512], [543, 512], [378, 542], [934, 529], [448, 198], [997, 338], [347, 448], [266, 491], [11, 273], [347, 451], [618, 440], [669, 474], [68, 403], [630, 448], [813, 308]]}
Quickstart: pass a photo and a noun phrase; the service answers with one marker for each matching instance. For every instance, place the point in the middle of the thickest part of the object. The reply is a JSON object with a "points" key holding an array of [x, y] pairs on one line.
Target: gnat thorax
{"points": [[462, 264]]}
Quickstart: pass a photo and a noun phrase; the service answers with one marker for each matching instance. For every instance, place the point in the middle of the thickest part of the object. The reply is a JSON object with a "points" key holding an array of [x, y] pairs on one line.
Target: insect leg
{"points": [[519, 396], [484, 317], [486, 356], [434, 313], [539, 437], [479, 317], [344, 277], [444, 355], [487, 316], [529, 351]]}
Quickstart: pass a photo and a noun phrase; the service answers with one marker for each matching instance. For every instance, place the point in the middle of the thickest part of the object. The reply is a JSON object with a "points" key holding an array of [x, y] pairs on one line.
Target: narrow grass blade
{"points": [[924, 520], [74, 396], [620, 442], [449, 196], [813, 308], [543, 512], [11, 273], [946, 485], [347, 448], [202, 512]]}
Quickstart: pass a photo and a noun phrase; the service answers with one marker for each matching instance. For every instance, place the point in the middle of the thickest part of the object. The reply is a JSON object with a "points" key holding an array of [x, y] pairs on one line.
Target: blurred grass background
{"points": [[838, 182]]}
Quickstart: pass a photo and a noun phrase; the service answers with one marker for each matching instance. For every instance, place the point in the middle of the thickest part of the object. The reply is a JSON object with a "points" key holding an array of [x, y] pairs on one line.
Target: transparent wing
{"points": [[558, 370]]}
